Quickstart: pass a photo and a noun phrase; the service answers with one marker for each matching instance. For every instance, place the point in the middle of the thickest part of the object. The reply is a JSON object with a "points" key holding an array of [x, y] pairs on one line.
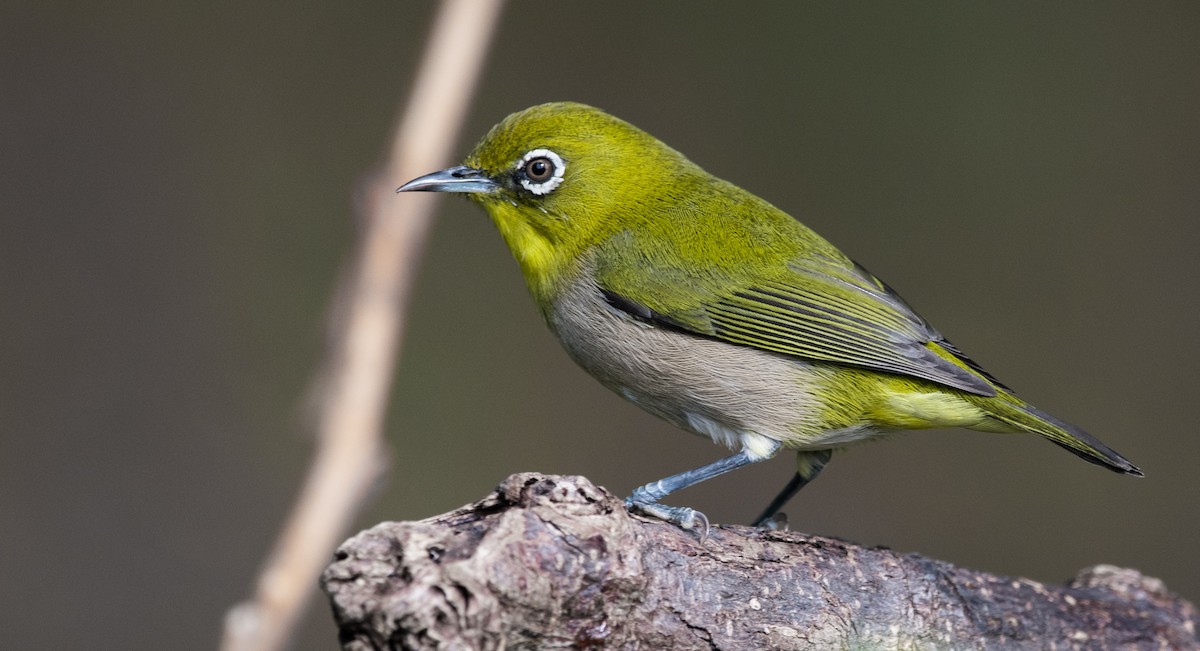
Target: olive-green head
{"points": [[558, 178]]}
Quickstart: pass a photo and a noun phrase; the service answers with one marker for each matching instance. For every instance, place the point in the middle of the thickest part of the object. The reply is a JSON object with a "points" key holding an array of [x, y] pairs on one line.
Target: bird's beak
{"points": [[455, 179]]}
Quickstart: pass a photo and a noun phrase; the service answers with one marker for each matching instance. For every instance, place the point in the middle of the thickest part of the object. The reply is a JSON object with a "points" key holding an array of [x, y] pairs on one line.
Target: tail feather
{"points": [[1014, 412]]}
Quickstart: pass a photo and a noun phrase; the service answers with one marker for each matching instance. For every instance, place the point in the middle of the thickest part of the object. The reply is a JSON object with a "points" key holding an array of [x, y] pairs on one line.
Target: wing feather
{"points": [[825, 310]]}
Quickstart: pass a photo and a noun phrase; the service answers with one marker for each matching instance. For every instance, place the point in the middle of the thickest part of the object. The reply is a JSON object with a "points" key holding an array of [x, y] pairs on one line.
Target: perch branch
{"points": [[547, 562]]}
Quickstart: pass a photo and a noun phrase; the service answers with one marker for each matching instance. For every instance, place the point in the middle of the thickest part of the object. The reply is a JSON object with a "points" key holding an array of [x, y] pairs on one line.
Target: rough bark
{"points": [[550, 562]]}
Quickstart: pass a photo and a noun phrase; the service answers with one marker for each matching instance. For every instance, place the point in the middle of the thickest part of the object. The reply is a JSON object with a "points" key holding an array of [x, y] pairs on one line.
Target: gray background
{"points": [[175, 189]]}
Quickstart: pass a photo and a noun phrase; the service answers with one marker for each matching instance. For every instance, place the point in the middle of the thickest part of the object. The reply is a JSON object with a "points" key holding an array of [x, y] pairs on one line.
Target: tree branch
{"points": [[555, 562], [368, 320]]}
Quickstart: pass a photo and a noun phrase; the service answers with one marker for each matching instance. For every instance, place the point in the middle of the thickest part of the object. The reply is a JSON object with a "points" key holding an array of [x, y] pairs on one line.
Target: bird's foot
{"points": [[777, 522], [680, 516]]}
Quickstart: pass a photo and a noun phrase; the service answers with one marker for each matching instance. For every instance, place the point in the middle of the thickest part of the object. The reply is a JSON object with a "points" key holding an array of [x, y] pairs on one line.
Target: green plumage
{"points": [[684, 292]]}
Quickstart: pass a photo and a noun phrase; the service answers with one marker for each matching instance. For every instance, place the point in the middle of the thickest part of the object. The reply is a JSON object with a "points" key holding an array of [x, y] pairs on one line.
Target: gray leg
{"points": [[808, 466], [645, 498]]}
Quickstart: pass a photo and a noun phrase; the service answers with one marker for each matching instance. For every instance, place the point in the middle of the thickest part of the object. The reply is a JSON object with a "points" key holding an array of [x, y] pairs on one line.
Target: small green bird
{"points": [[716, 311]]}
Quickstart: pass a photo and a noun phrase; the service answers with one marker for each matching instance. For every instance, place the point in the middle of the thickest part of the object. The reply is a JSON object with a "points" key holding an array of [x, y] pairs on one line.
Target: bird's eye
{"points": [[540, 171]]}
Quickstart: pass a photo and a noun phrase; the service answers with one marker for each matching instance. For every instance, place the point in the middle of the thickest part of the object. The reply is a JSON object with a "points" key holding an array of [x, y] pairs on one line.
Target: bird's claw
{"points": [[777, 522], [680, 516]]}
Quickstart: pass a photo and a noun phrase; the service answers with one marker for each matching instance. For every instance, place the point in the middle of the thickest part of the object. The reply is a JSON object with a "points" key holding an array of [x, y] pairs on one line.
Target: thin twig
{"points": [[363, 347]]}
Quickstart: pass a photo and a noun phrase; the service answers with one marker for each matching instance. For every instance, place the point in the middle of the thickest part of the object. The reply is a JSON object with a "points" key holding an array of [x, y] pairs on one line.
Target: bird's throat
{"points": [[540, 258]]}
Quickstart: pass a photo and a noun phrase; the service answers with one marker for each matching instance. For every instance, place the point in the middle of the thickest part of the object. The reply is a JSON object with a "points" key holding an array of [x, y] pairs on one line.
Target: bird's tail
{"points": [[1015, 413]]}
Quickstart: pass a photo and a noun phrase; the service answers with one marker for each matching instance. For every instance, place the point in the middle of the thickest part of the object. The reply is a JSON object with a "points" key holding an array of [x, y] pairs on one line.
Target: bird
{"points": [[716, 311]]}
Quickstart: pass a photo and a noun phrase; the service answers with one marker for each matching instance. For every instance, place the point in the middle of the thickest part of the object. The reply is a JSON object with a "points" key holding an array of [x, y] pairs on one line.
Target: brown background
{"points": [[175, 183]]}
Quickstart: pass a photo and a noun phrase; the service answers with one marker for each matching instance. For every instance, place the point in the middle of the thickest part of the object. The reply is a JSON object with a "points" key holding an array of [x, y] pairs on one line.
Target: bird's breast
{"points": [[734, 394]]}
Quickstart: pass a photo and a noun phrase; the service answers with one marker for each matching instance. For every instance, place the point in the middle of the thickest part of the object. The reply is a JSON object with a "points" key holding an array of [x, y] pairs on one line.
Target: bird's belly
{"points": [[736, 395]]}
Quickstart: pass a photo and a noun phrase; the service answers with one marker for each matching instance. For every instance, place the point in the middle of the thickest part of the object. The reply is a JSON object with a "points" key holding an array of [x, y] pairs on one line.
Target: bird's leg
{"points": [[808, 466], [645, 498]]}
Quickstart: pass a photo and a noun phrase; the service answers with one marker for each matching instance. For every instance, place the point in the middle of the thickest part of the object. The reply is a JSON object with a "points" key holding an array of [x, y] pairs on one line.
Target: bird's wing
{"points": [[818, 309]]}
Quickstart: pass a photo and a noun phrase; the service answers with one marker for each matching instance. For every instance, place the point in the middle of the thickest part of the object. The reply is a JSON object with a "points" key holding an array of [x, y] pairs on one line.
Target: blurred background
{"points": [[176, 183]]}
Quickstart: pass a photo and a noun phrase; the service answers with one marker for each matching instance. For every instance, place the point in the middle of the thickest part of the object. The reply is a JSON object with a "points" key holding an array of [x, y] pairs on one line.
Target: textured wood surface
{"points": [[551, 562]]}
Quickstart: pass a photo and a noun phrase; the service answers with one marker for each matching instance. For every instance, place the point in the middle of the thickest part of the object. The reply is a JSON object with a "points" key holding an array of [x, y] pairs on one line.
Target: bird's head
{"points": [[558, 178]]}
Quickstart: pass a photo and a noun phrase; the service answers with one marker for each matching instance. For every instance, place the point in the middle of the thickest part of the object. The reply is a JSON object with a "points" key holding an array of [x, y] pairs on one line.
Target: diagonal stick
{"points": [[362, 349]]}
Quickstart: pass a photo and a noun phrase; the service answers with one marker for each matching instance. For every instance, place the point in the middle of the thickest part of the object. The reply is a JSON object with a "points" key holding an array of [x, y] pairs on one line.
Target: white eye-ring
{"points": [[540, 171]]}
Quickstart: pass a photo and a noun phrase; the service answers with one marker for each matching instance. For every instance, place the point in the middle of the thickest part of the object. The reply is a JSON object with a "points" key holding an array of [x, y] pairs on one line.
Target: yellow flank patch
{"points": [[920, 410]]}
